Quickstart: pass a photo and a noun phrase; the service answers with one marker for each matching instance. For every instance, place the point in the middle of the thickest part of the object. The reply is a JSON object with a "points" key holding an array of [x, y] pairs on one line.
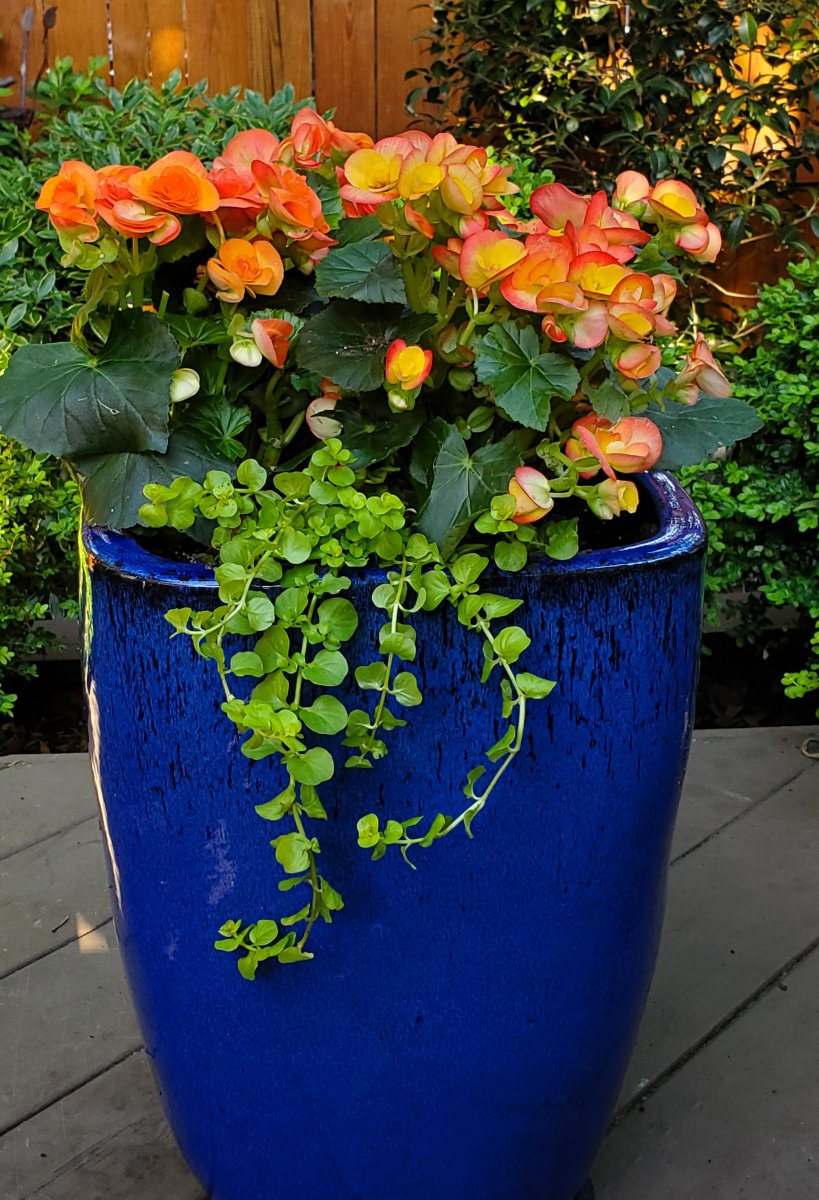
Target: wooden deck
{"points": [[722, 1098]]}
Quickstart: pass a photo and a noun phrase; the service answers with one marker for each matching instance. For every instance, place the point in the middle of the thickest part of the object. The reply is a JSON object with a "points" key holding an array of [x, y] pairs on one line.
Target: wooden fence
{"points": [[350, 54]]}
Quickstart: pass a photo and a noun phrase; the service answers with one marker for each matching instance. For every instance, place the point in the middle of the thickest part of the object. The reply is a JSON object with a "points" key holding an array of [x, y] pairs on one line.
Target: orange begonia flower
{"points": [[293, 206], [69, 198], [176, 183], [533, 498], [486, 258], [629, 445], [448, 257], [241, 266], [538, 270], [272, 337], [407, 366], [132, 218]]}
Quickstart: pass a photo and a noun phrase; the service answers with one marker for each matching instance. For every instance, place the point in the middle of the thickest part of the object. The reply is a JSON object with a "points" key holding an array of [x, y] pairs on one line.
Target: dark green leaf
{"points": [[348, 341], [366, 271], [463, 484], [112, 483], [523, 380], [692, 432], [369, 437], [58, 400]]}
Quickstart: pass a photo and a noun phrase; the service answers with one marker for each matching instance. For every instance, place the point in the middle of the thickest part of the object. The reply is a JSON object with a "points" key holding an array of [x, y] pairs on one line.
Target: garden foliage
{"points": [[708, 91], [762, 503]]}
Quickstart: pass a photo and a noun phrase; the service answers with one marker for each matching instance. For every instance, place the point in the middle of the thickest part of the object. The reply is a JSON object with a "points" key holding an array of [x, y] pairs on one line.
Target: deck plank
{"points": [[740, 908], [40, 795], [107, 1141], [63, 1019], [739, 1121], [50, 894], [730, 770]]}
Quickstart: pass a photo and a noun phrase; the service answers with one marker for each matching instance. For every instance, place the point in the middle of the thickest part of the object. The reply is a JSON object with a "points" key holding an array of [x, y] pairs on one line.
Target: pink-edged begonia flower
{"points": [[701, 373], [487, 258], [533, 499], [675, 202], [631, 193], [629, 445], [407, 366], [597, 273], [371, 176], [638, 361], [708, 242], [556, 205]]}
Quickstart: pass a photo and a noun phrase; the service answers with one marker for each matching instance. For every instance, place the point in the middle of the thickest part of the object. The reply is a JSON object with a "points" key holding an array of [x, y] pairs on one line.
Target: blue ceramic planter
{"points": [[463, 1031]]}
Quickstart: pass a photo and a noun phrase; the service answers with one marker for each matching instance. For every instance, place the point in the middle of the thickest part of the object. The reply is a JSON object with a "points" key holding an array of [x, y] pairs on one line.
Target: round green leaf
{"points": [[314, 766], [325, 715], [510, 556], [295, 546], [327, 669], [251, 475], [337, 618], [405, 689]]}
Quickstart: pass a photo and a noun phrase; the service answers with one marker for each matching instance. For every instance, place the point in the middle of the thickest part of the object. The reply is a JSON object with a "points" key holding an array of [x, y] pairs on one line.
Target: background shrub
{"points": [[667, 87], [762, 504]]}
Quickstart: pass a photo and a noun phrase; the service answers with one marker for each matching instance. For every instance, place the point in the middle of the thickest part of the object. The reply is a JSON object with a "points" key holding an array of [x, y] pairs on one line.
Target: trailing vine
{"points": [[299, 535]]}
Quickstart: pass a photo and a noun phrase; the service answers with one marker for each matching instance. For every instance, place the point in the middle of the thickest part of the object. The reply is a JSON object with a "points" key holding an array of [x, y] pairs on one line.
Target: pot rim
{"points": [[681, 531]]}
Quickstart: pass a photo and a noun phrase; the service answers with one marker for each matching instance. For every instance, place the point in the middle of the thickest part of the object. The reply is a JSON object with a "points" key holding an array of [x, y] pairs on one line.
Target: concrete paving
{"points": [[721, 1101]]}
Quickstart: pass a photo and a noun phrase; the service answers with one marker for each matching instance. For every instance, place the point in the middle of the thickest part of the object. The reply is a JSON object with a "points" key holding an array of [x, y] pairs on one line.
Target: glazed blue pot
{"points": [[464, 1029]]}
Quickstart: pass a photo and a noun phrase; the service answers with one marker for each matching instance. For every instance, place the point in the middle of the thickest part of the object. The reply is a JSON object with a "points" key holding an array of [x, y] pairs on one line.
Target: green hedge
{"points": [[762, 504]]}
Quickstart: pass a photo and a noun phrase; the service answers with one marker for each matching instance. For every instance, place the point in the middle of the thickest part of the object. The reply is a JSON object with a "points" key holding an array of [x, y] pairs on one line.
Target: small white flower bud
{"points": [[245, 352], [184, 384]]}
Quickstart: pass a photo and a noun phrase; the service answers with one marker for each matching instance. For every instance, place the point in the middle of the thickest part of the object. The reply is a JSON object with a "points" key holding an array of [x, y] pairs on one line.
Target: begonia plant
{"points": [[328, 353]]}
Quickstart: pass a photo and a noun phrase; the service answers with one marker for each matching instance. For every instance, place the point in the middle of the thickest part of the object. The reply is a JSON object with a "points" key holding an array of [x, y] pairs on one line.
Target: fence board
{"points": [[280, 46], [397, 50], [344, 61], [11, 48], [81, 31], [130, 39], [168, 38], [217, 40]]}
